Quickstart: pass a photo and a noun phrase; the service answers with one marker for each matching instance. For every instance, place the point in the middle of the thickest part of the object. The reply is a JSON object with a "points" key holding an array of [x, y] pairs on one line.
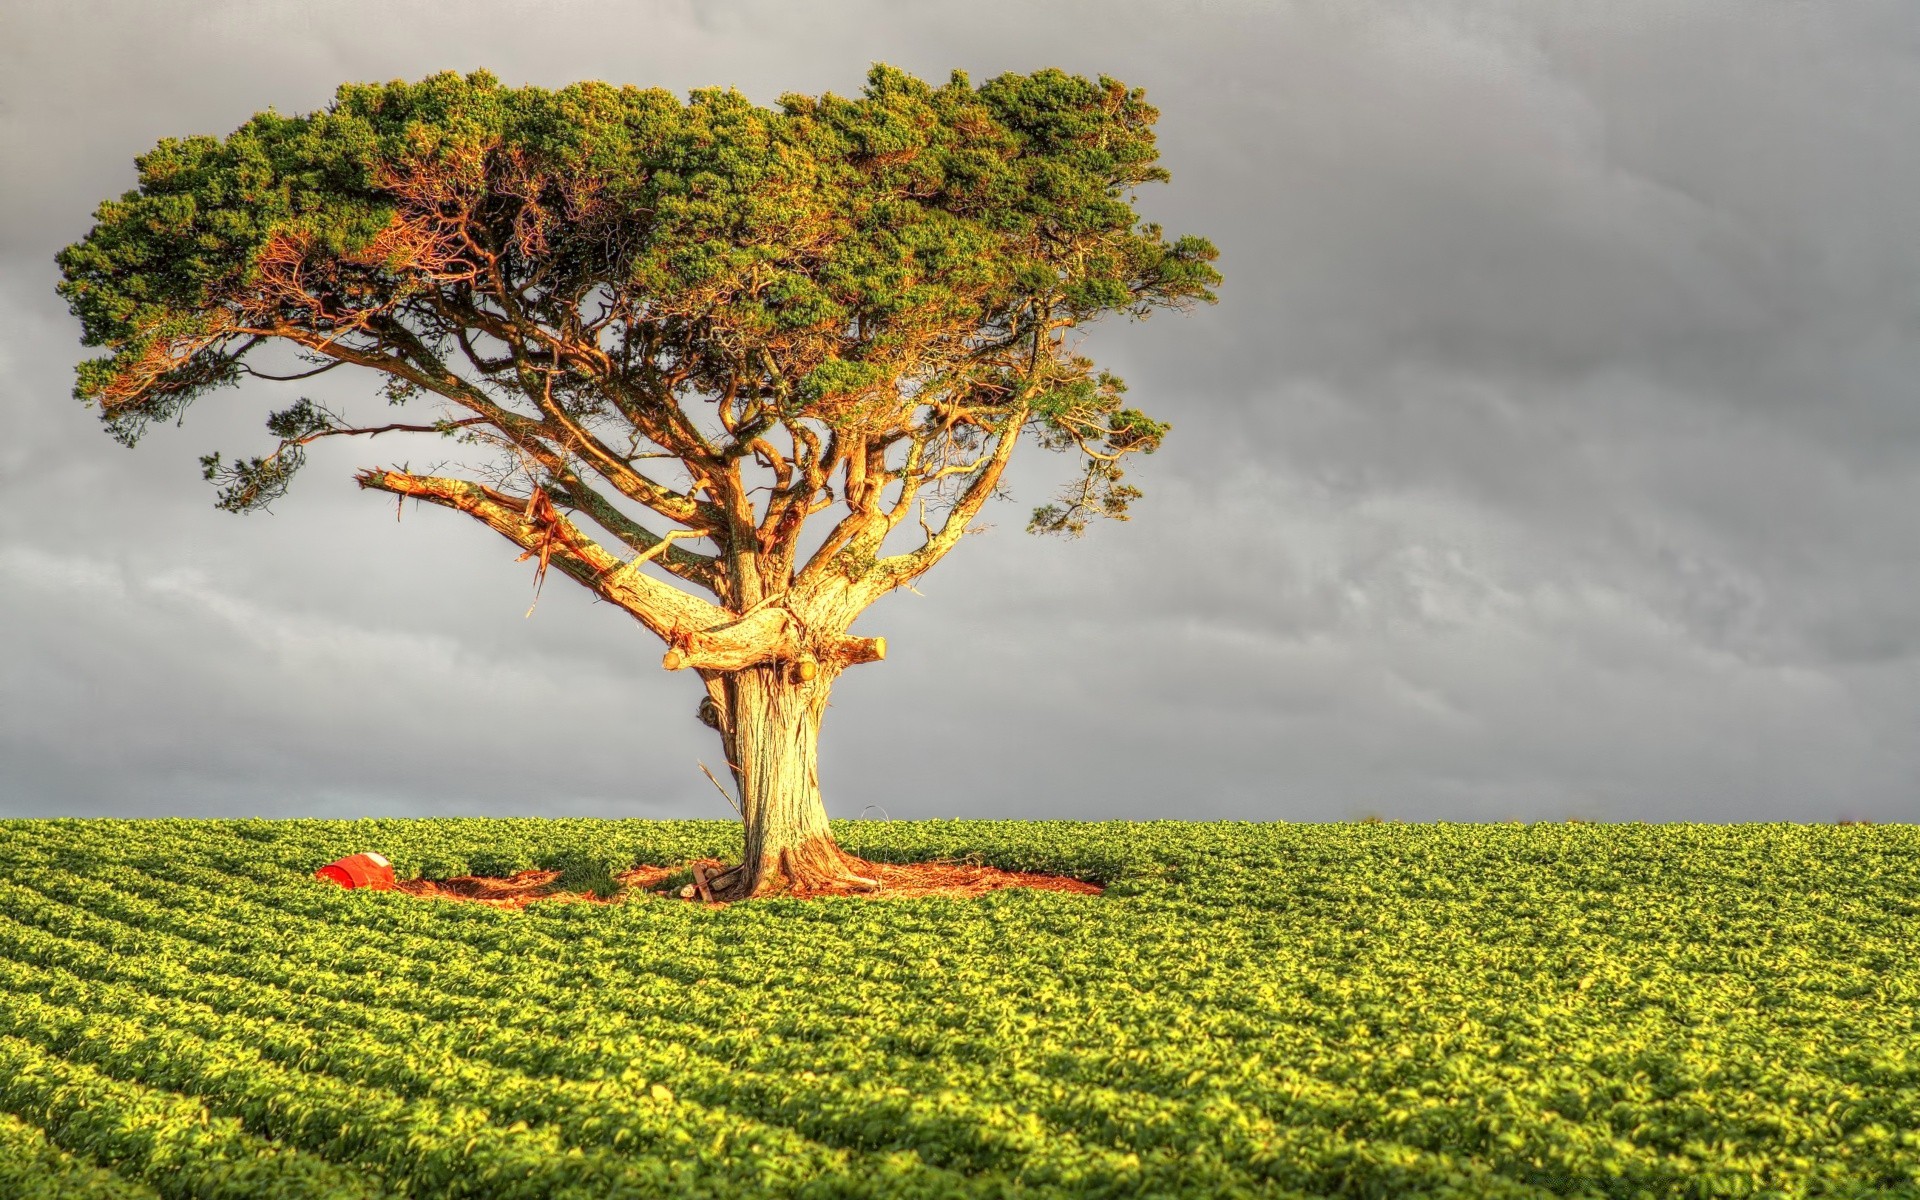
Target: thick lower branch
{"points": [[764, 636], [769, 635], [698, 634], [661, 607], [853, 650]]}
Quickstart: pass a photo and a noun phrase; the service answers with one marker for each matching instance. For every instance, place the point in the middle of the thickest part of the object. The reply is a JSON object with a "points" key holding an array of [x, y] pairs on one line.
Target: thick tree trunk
{"points": [[770, 724]]}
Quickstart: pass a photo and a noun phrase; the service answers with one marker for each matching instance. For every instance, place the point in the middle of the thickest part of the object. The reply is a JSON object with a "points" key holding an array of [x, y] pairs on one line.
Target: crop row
{"points": [[1251, 1010], [32, 1166], [463, 1045]]}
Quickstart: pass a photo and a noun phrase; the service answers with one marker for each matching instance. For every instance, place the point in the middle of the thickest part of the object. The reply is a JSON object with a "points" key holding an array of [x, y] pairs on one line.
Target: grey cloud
{"points": [[1552, 450]]}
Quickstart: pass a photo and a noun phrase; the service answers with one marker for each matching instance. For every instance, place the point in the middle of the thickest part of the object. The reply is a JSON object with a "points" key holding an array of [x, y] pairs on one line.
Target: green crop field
{"points": [[1250, 1010]]}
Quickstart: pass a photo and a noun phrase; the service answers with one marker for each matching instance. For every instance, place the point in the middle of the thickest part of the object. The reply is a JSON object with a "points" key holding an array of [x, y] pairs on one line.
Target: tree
{"points": [[690, 328]]}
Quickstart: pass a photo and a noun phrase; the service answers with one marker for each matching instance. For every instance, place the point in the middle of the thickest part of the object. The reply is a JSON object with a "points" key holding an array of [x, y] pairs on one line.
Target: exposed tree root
{"points": [[816, 867]]}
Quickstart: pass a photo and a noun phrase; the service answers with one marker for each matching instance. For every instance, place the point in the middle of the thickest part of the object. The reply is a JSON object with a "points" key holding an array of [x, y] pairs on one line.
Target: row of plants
{"points": [[1250, 1010], [33, 1166]]}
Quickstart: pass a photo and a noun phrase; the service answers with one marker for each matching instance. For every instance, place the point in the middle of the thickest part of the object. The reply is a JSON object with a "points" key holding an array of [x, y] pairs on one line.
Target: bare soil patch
{"points": [[512, 891], [903, 880], [898, 881]]}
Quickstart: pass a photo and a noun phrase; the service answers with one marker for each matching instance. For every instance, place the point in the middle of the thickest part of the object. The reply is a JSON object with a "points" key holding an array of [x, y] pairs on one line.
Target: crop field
{"points": [[1249, 1010]]}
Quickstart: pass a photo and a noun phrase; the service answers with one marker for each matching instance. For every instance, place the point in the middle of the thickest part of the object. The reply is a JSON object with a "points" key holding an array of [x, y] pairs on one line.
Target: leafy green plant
{"points": [[587, 872], [1262, 1010]]}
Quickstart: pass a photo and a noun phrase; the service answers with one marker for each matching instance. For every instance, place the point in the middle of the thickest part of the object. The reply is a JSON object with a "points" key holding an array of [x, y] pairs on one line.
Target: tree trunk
{"points": [[770, 725]]}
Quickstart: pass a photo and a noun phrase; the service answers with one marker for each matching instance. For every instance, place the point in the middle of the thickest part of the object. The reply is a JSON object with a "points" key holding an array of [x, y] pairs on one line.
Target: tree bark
{"points": [[770, 724]]}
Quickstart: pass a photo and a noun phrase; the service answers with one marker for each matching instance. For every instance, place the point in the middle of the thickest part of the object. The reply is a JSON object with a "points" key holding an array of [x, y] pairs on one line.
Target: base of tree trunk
{"points": [[817, 866]]}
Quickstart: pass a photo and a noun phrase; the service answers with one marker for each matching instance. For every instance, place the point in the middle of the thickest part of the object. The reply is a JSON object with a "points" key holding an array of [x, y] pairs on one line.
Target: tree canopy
{"points": [[845, 261]]}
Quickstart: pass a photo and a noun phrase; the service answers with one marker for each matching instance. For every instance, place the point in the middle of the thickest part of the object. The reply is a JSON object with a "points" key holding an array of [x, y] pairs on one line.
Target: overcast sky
{"points": [[1554, 449]]}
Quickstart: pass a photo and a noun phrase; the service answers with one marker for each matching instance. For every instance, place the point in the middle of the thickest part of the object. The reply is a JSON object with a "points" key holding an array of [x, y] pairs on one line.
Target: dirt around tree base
{"points": [[898, 881], [512, 891]]}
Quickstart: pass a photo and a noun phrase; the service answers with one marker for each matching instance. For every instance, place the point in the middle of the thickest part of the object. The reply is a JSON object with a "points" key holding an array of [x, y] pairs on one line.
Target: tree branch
{"points": [[694, 568], [661, 607], [892, 572], [322, 370]]}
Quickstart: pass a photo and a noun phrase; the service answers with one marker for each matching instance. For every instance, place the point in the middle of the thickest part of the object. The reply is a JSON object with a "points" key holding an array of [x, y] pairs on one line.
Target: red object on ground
{"points": [[359, 870]]}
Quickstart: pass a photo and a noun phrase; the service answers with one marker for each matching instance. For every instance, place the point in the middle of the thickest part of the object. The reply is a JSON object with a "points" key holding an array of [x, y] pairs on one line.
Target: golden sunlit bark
{"points": [[771, 730], [659, 606]]}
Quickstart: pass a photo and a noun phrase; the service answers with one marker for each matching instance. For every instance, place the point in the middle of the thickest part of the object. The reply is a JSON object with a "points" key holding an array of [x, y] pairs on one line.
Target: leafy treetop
{"points": [[865, 298]]}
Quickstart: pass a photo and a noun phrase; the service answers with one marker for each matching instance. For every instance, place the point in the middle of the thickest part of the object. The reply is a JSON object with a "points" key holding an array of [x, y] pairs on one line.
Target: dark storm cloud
{"points": [[1552, 451]]}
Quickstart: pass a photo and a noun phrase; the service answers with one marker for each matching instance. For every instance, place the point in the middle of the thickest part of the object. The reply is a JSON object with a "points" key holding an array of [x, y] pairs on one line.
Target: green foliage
{"points": [[588, 872], [1086, 412], [256, 482], [32, 1168], [1367, 1010], [838, 253]]}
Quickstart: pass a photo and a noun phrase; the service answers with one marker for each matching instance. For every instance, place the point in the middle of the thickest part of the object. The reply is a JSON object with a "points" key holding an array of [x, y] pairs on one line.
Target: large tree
{"points": [[677, 334]]}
